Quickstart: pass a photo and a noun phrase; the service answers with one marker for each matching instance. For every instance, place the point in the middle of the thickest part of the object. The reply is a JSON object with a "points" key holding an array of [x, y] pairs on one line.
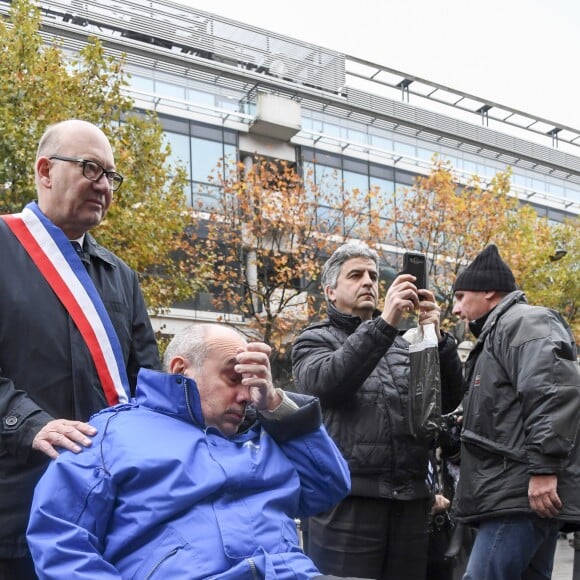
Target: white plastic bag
{"points": [[424, 408]]}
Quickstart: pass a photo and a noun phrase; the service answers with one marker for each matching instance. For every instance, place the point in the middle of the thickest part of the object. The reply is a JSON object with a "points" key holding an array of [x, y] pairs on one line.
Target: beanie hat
{"points": [[487, 272]]}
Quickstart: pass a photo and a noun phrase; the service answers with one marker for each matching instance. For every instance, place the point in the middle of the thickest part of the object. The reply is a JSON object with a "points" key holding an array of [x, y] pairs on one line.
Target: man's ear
{"points": [[493, 297], [329, 293], [177, 365], [43, 171]]}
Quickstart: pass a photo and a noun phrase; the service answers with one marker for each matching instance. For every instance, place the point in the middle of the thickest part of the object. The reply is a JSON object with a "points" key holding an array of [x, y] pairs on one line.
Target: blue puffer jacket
{"points": [[158, 495]]}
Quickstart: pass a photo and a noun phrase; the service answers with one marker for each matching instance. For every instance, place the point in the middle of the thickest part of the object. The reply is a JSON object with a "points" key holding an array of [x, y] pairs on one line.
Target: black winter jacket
{"points": [[521, 413], [46, 370], [360, 372]]}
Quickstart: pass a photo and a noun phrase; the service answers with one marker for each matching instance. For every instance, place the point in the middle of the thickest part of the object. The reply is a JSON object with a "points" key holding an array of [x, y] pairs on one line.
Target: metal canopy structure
{"points": [[188, 31], [450, 98]]}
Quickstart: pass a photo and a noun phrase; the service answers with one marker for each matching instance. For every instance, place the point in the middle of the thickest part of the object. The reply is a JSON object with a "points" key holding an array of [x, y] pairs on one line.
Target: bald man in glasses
{"points": [[74, 328]]}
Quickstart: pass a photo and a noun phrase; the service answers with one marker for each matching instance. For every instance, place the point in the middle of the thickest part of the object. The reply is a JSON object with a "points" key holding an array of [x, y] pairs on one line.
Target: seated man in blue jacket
{"points": [[171, 487]]}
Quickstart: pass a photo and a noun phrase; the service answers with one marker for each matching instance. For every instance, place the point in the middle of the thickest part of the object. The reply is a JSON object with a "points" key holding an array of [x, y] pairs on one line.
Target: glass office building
{"points": [[226, 90]]}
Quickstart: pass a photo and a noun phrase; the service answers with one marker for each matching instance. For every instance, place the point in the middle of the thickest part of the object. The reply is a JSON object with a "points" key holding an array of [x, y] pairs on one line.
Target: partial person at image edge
{"points": [[520, 455]]}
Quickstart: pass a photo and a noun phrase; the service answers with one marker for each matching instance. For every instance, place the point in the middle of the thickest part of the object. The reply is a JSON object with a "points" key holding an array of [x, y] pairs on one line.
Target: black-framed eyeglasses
{"points": [[93, 171]]}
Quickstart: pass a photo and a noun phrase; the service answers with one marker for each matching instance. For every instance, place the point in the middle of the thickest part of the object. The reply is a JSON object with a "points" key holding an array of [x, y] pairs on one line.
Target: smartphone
{"points": [[415, 263]]}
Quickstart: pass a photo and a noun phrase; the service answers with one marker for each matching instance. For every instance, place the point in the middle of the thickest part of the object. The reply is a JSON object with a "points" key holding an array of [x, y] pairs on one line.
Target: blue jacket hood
{"points": [[174, 395]]}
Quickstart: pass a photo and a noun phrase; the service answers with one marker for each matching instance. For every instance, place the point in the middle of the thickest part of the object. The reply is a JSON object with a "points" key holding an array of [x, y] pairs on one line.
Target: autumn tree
{"points": [[544, 257], [268, 236], [452, 222], [40, 85]]}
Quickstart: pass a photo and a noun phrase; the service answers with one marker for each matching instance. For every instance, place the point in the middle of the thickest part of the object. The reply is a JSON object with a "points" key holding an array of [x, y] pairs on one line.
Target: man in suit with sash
{"points": [[74, 328]]}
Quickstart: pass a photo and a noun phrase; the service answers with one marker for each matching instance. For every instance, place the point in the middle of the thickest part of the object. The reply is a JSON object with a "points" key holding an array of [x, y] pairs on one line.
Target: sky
{"points": [[523, 54]]}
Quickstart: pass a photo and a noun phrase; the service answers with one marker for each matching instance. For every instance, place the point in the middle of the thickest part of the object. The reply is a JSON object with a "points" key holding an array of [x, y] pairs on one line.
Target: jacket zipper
{"points": [[253, 569], [188, 402], [158, 565]]}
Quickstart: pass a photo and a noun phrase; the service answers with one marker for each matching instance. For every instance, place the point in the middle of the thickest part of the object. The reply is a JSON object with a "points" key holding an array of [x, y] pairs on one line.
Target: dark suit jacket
{"points": [[46, 370]]}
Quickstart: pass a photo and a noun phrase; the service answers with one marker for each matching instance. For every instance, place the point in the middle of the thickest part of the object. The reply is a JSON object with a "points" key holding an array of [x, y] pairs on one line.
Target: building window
{"points": [[208, 154]]}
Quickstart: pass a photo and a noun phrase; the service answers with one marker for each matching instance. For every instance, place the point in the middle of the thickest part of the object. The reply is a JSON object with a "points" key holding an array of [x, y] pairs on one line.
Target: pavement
{"points": [[564, 561]]}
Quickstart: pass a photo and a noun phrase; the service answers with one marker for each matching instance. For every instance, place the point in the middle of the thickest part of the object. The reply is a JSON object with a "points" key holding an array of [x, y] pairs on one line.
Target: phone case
{"points": [[415, 263]]}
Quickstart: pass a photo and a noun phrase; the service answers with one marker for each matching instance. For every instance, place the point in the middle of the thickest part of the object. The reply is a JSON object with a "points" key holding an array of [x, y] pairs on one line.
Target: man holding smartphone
{"points": [[357, 363]]}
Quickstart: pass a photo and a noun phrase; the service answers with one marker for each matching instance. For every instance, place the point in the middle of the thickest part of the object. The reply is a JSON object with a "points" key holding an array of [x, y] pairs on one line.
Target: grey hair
{"points": [[354, 249], [191, 343]]}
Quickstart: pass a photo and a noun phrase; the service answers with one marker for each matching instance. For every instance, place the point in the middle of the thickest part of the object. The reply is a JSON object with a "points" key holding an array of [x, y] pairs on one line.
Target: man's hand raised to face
{"points": [[253, 363]]}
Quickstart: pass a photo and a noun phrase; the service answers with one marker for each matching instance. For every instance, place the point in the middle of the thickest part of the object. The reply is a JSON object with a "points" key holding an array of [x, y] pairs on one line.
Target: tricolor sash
{"points": [[57, 260]]}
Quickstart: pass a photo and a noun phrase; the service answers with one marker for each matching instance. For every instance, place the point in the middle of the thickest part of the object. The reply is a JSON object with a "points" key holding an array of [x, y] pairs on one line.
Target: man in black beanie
{"points": [[520, 458]]}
